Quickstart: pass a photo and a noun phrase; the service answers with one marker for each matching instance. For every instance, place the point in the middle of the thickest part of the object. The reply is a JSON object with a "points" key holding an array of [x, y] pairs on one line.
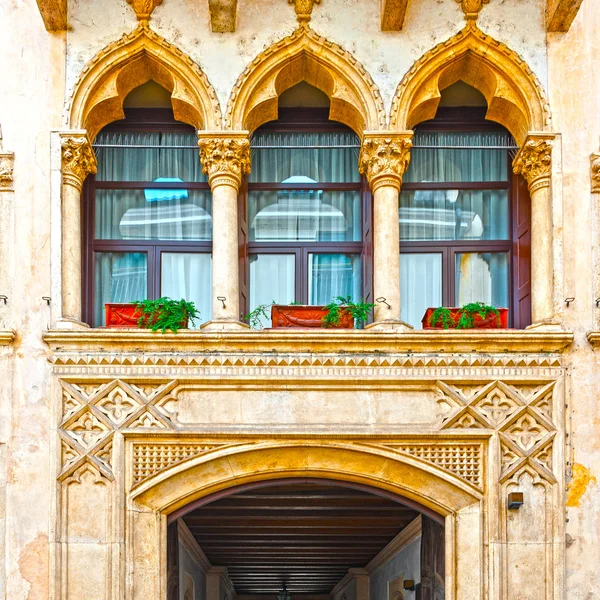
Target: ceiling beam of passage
{"points": [[54, 14], [392, 14], [222, 15], [560, 14]]}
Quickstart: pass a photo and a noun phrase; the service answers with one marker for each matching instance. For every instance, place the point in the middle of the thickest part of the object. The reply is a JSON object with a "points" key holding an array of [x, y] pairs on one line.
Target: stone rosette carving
{"points": [[595, 172], [78, 159], [471, 8], [225, 158], [534, 161], [384, 158], [304, 9], [144, 8]]}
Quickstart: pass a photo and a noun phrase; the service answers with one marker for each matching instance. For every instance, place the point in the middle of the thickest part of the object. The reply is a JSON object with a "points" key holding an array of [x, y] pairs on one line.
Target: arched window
{"points": [[305, 211], [464, 218], [147, 214]]}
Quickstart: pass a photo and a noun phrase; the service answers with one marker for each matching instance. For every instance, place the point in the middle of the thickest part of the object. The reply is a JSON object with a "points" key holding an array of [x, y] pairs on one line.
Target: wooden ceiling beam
{"points": [[560, 14], [54, 14], [392, 14], [222, 15]]}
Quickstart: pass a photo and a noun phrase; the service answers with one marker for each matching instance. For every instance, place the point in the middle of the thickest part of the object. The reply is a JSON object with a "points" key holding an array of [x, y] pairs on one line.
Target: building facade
{"points": [[413, 153]]}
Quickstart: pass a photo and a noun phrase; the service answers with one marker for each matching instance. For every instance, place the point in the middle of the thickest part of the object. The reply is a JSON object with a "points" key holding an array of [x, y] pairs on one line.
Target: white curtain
{"points": [[420, 285], [333, 275]]}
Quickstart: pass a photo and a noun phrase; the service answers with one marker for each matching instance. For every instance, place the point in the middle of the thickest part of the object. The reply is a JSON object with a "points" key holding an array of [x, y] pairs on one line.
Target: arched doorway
{"points": [[306, 537]]}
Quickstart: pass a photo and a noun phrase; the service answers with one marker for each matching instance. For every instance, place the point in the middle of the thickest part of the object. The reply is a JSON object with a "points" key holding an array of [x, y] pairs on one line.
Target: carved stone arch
{"points": [[246, 463], [131, 61], [514, 95], [306, 56]]}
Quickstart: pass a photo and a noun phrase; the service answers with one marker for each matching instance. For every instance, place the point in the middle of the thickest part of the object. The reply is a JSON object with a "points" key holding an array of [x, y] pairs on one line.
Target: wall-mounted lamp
{"points": [[597, 302], [568, 301], [222, 299], [3, 297], [47, 299], [515, 500], [409, 584], [382, 300]]}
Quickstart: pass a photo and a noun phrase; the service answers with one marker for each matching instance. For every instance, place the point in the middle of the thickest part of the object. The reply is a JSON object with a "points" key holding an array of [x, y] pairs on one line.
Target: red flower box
{"points": [[490, 322], [307, 317], [120, 315]]}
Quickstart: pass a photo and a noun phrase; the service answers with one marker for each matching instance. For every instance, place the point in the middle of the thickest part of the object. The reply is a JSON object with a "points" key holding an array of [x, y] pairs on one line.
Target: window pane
{"points": [[161, 155], [272, 278], [454, 215], [153, 215], [312, 216], [333, 275], [277, 157], [420, 285], [118, 277], [188, 276], [482, 277], [460, 158]]}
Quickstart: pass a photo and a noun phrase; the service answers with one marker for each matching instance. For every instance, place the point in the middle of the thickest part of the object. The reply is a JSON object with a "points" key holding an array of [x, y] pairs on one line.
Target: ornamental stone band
{"points": [[595, 172]]}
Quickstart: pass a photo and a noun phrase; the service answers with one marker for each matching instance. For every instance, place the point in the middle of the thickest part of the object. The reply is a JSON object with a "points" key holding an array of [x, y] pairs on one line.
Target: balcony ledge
{"points": [[6, 337], [294, 341]]}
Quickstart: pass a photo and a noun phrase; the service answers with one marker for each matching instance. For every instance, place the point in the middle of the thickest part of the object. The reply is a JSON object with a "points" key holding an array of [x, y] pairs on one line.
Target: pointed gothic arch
{"points": [[514, 95], [131, 61], [306, 56]]}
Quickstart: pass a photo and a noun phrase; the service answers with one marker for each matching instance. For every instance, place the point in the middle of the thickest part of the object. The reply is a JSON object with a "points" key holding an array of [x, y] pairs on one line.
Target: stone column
{"points": [[384, 157], [78, 161], [225, 159], [534, 162]]}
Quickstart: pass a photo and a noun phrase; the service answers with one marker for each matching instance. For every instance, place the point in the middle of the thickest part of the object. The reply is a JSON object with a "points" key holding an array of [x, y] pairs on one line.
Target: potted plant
{"points": [[162, 313], [475, 315], [342, 313]]}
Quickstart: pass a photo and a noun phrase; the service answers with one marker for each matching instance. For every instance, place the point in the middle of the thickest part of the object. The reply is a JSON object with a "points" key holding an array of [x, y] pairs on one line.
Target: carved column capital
{"points": [[7, 163], [225, 157], [595, 172], [384, 158], [534, 160], [78, 158]]}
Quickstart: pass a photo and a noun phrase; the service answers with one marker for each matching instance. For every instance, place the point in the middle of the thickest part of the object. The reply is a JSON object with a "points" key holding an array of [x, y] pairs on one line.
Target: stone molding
{"points": [[534, 160], [304, 9], [7, 336], [98, 95], [144, 8], [384, 158], [7, 166], [593, 338], [225, 157], [471, 8], [355, 98], [514, 95], [595, 172], [78, 158]]}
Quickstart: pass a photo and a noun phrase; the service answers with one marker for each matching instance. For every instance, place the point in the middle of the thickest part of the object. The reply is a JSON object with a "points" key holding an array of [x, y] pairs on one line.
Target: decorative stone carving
{"points": [[143, 8], [7, 164], [534, 161], [595, 172], [384, 158], [514, 95], [225, 157], [471, 8], [78, 159], [304, 9]]}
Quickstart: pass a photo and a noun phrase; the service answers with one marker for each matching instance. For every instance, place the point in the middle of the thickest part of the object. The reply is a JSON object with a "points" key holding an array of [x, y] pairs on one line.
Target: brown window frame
{"points": [[305, 120], [136, 120], [470, 120]]}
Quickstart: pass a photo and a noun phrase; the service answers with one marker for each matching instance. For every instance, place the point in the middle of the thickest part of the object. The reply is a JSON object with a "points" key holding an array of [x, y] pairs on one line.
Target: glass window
{"points": [[304, 217], [455, 227], [149, 217]]}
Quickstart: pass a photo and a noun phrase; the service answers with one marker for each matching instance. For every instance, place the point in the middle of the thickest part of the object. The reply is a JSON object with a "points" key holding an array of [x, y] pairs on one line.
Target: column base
{"points": [[390, 325], [70, 323], [224, 325], [545, 325]]}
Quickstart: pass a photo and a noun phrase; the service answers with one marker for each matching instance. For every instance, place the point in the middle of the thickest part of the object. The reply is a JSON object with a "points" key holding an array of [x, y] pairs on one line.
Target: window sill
{"points": [[332, 341], [6, 337]]}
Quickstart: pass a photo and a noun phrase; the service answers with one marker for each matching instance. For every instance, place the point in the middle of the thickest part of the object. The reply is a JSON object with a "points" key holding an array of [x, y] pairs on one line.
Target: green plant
{"points": [[255, 317], [360, 311], [466, 315], [165, 313]]}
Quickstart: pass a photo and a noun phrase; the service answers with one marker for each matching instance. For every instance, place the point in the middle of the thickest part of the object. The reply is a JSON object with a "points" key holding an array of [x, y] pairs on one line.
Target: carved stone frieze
{"points": [[78, 159], [595, 172], [144, 8], [225, 158], [471, 8], [384, 158], [304, 9], [534, 161], [7, 164]]}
